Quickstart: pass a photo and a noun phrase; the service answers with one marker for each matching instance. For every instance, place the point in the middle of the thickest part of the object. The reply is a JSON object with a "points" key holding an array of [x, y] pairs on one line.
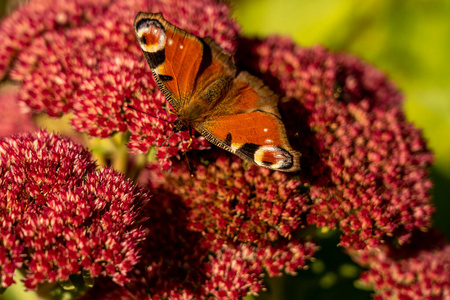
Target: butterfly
{"points": [[233, 110]]}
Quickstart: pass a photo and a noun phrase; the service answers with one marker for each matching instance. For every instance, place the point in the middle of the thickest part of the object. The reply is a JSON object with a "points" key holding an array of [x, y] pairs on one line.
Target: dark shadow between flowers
{"points": [[294, 115], [172, 257], [421, 241], [171, 249], [246, 58]]}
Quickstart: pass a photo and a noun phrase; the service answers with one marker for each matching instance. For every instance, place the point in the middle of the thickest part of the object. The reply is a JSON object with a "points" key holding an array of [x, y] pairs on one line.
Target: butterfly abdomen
{"points": [[215, 91]]}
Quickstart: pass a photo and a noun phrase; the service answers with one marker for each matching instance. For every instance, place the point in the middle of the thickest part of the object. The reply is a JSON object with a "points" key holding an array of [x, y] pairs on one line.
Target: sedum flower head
{"points": [[366, 165], [254, 205], [61, 216], [420, 270], [82, 56], [213, 235], [180, 263]]}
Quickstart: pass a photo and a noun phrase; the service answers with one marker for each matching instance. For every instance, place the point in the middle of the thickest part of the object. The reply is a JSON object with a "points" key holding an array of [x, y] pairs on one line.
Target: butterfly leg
{"points": [[191, 140], [186, 159]]}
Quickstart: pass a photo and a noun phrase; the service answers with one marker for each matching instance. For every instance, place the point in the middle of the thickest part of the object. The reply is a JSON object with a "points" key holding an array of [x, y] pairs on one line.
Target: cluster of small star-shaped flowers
{"points": [[367, 166], [420, 270], [364, 167], [180, 263], [236, 271], [59, 216], [255, 205], [82, 56]]}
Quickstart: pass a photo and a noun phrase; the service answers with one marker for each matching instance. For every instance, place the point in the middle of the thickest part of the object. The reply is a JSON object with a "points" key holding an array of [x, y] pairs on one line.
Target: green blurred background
{"points": [[410, 41]]}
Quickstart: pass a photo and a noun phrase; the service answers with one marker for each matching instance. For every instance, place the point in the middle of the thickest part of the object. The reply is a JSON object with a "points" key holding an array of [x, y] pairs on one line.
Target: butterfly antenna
{"points": [[165, 141], [144, 112]]}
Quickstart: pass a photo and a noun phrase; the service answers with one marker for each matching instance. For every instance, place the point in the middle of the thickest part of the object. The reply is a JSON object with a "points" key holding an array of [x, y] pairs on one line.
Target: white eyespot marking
{"points": [[181, 46], [151, 35], [269, 141], [169, 42], [266, 129], [273, 157]]}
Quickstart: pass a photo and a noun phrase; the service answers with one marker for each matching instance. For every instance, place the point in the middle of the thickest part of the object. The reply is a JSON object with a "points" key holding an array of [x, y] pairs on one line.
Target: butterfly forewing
{"points": [[173, 55]]}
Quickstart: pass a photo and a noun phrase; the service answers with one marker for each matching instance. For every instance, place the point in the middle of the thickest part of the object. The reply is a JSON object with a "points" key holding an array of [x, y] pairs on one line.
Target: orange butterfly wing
{"points": [[198, 78], [173, 55]]}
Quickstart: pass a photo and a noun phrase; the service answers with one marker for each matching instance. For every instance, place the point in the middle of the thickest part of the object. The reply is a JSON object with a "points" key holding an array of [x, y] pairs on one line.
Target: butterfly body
{"points": [[232, 110]]}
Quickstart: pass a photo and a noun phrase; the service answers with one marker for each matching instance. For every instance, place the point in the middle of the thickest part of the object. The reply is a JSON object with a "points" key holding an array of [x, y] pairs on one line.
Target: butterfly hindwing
{"points": [[251, 127]]}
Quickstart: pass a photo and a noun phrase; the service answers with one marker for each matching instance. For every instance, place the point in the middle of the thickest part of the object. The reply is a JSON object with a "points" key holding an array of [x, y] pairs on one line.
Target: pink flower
{"points": [[254, 205], [366, 165], [60, 216], [83, 56], [420, 270], [180, 263], [214, 234]]}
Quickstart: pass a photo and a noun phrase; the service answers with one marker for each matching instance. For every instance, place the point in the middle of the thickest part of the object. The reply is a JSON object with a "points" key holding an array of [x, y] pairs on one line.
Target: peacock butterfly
{"points": [[232, 110]]}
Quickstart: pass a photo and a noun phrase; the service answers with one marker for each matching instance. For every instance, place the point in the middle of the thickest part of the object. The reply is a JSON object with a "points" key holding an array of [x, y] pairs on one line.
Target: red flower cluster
{"points": [[255, 205], [60, 216], [83, 56], [420, 270], [364, 167], [366, 164], [179, 263]]}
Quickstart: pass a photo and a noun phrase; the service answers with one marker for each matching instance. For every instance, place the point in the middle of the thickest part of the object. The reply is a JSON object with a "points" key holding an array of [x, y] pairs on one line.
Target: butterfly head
{"points": [[179, 125]]}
